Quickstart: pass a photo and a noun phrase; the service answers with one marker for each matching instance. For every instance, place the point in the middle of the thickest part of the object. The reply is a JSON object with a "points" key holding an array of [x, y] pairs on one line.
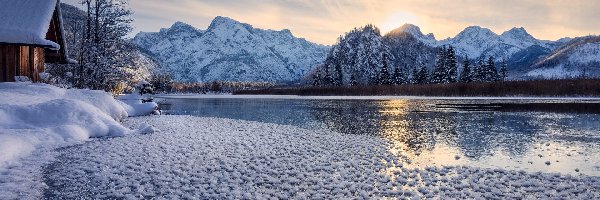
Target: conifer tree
{"points": [[384, 76], [503, 70], [400, 77], [338, 77], [439, 70], [397, 76], [479, 71], [353, 80], [327, 76], [466, 73], [316, 78], [415, 72], [450, 66], [491, 71], [422, 75]]}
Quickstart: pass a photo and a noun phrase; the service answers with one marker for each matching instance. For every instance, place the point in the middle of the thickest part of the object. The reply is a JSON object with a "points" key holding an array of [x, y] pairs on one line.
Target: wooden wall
{"points": [[21, 61]]}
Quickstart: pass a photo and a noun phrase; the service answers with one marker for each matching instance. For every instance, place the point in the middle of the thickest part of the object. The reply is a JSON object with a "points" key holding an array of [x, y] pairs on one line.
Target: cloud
{"points": [[323, 21]]}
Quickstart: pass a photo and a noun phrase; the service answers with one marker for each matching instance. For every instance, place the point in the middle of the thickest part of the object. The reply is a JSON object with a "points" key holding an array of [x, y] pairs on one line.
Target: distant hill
{"points": [[578, 58]]}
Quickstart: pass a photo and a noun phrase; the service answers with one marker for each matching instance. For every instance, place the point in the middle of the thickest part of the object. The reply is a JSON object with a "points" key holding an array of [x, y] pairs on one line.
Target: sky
{"points": [[323, 21]]}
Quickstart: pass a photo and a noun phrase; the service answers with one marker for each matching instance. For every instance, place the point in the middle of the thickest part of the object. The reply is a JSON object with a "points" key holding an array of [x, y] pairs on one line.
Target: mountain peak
{"points": [[476, 31], [179, 26], [519, 37], [410, 28], [517, 32], [476, 28], [415, 31], [220, 20]]}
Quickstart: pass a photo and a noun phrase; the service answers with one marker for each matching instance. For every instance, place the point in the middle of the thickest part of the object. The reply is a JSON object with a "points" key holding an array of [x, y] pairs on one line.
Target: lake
{"points": [[547, 135]]}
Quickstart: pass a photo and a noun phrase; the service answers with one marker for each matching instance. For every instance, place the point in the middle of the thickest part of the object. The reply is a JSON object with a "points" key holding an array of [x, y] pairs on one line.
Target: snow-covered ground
{"points": [[39, 114], [35, 119], [233, 159]]}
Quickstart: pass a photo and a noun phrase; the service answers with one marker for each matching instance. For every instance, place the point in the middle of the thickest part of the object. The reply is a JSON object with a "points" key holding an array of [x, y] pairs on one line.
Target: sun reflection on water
{"points": [[488, 140]]}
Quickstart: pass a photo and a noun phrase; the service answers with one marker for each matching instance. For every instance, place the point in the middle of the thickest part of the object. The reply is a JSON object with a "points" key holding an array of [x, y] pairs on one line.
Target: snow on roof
{"points": [[26, 22]]}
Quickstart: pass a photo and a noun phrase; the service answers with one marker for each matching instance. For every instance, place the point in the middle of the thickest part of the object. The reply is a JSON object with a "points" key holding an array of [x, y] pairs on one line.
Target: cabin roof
{"points": [[26, 22]]}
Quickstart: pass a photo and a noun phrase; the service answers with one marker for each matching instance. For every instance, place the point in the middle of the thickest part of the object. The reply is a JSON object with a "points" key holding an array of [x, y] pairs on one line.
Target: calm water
{"points": [[531, 135]]}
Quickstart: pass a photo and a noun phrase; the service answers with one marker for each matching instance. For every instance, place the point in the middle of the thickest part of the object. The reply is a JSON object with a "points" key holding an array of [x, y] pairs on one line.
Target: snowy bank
{"points": [[211, 158], [39, 114], [134, 106], [35, 114], [36, 119]]}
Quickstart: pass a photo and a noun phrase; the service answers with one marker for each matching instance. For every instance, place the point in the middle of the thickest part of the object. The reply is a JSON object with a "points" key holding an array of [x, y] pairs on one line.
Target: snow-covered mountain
{"points": [[410, 47], [476, 41], [231, 51], [415, 31], [527, 57], [357, 58], [579, 57]]}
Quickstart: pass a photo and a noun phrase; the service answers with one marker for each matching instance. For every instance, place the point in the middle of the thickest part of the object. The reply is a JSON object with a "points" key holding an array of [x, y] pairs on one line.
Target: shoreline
{"points": [[373, 97], [533, 88]]}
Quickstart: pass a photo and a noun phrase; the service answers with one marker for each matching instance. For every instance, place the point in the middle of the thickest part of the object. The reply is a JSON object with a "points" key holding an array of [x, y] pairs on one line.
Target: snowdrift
{"points": [[34, 115], [134, 107]]}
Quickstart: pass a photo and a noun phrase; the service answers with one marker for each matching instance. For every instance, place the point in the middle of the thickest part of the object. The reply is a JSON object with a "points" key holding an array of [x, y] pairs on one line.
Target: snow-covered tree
{"points": [[384, 75], [466, 73], [439, 70], [95, 39], [503, 70], [161, 82], [337, 78], [451, 66], [105, 55], [422, 76], [357, 58], [400, 77], [353, 80], [491, 73], [445, 70], [316, 77], [479, 71], [327, 75], [414, 73]]}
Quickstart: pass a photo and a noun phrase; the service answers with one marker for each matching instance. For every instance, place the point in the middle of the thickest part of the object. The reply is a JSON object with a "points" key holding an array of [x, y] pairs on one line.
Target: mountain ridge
{"points": [[527, 56], [229, 50], [234, 51]]}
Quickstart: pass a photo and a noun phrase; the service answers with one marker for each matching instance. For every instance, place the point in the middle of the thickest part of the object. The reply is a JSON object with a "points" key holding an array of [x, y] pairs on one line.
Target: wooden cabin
{"points": [[31, 34]]}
